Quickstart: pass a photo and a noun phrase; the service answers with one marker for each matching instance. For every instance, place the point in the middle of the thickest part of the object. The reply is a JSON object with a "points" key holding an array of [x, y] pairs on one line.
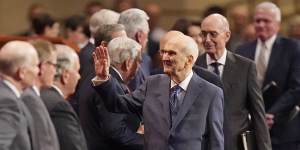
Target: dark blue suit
{"points": [[103, 129], [202, 107], [284, 69]]}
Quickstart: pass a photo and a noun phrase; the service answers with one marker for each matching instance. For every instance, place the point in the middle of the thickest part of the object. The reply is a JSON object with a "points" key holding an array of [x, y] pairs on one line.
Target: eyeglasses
{"points": [[212, 34]]}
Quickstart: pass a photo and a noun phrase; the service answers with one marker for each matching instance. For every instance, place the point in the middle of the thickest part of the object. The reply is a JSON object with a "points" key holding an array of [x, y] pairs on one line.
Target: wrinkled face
{"points": [[74, 76], [194, 32], [48, 70], [265, 24], [31, 71], [173, 59], [214, 37]]}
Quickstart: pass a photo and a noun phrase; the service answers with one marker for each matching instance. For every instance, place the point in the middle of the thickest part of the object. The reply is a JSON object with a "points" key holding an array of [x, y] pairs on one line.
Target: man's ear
{"points": [[20, 73], [139, 36], [227, 34], [190, 59], [65, 77], [42, 68], [125, 65]]}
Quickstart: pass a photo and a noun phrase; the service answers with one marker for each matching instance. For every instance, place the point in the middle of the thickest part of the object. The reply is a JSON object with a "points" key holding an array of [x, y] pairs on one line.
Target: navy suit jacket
{"points": [[103, 129], [284, 69], [202, 107]]}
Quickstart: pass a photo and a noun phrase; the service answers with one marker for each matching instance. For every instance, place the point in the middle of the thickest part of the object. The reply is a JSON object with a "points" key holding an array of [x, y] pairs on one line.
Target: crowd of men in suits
{"points": [[105, 97]]}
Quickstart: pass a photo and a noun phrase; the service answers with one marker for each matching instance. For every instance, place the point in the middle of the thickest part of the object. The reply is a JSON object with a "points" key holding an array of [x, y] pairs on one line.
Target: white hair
{"points": [[269, 6], [134, 20], [121, 49], [66, 59], [16, 54], [102, 17], [191, 47]]}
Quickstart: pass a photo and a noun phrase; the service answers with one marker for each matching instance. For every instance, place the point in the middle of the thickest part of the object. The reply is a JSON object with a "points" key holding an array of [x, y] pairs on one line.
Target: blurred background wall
{"points": [[13, 13]]}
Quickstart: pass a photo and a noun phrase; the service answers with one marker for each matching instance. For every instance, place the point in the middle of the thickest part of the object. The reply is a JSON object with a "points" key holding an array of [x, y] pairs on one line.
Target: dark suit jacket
{"points": [[202, 105], [86, 68], [43, 132], [14, 123], [142, 73], [284, 69], [208, 76], [103, 129], [66, 122], [242, 97]]}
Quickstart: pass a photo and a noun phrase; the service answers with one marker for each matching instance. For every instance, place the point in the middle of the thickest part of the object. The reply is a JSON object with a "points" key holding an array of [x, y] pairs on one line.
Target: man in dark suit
{"points": [[279, 61], [103, 129], [65, 120], [176, 106], [137, 28], [241, 92], [98, 19], [44, 134], [18, 69]]}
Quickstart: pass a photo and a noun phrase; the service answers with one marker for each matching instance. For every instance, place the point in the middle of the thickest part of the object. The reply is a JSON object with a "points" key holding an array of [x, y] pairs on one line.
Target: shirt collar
{"points": [[268, 43], [184, 84], [221, 60], [13, 88], [58, 90], [36, 90], [117, 72]]}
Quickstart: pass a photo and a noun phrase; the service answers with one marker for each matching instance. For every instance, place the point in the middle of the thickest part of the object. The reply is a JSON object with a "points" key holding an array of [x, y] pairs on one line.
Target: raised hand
{"points": [[101, 62]]}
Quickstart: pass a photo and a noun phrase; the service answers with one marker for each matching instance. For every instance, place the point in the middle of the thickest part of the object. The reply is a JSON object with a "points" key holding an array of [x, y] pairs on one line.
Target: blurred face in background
{"points": [[265, 24], [48, 70]]}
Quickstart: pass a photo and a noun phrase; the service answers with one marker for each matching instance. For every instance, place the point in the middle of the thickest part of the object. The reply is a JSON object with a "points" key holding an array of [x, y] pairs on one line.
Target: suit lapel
{"points": [[275, 55], [191, 95], [229, 71], [251, 54]]}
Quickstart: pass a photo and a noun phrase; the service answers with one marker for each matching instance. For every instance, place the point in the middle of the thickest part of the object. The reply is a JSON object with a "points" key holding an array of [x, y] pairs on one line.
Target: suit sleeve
{"points": [[116, 102], [67, 127], [257, 110], [10, 123], [215, 122], [115, 127]]}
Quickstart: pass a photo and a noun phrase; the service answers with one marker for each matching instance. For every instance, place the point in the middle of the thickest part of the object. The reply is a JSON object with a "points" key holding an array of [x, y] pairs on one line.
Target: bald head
{"points": [[16, 54], [219, 20], [185, 44]]}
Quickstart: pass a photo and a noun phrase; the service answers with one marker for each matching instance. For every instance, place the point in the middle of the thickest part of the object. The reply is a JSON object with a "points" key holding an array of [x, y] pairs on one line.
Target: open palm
{"points": [[101, 62]]}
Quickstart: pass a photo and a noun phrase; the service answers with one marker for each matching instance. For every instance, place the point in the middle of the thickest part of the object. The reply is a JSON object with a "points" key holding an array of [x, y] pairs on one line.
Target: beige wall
{"points": [[13, 12]]}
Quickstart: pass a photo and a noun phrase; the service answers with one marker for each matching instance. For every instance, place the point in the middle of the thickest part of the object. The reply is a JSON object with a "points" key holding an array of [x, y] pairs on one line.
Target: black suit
{"points": [[242, 97], [65, 120], [284, 69], [86, 68], [103, 129]]}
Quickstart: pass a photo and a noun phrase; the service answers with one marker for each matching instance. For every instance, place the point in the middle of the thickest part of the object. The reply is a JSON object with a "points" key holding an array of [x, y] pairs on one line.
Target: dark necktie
{"points": [[174, 101], [216, 65]]}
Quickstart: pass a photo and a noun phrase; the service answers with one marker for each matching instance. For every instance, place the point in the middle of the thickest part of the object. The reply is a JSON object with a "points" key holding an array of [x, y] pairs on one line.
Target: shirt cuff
{"points": [[97, 81]]}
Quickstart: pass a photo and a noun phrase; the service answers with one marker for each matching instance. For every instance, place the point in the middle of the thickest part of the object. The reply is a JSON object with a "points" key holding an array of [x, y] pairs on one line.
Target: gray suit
{"points": [[242, 97], [43, 133], [65, 120], [14, 121], [202, 107]]}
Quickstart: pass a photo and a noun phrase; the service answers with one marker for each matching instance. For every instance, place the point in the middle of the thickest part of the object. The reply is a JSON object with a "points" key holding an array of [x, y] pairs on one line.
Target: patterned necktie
{"points": [[174, 101], [261, 64], [216, 65]]}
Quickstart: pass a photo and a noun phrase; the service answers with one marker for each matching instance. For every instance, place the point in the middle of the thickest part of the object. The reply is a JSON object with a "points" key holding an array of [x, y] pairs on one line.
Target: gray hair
{"points": [[104, 16], [191, 47], [121, 49], [104, 33], [269, 6], [66, 59], [14, 55], [134, 20]]}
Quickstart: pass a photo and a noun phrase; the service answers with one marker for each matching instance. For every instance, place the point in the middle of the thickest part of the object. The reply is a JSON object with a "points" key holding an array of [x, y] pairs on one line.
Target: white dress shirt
{"points": [[221, 61], [269, 44]]}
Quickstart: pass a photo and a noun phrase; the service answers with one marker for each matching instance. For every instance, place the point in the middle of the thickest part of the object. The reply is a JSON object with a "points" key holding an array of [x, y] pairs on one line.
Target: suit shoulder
{"points": [[241, 59], [157, 77], [208, 86]]}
